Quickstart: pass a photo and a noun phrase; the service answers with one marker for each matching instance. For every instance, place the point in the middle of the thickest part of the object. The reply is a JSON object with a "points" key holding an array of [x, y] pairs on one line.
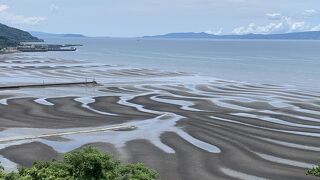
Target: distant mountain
{"points": [[52, 35], [16, 35], [310, 35]]}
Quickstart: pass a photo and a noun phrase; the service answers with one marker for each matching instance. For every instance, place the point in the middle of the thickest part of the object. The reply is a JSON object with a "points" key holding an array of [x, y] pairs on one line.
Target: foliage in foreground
{"points": [[84, 164], [314, 171]]}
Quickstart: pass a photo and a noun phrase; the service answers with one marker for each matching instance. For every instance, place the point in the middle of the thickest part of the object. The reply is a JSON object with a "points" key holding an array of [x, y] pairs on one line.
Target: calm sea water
{"points": [[295, 63]]}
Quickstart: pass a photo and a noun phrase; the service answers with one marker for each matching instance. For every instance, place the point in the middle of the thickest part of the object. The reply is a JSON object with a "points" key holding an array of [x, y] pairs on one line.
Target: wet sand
{"points": [[26, 154], [184, 129]]}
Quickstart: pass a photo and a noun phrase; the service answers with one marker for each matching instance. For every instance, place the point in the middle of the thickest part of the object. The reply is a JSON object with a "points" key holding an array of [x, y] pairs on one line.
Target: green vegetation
{"points": [[12, 37], [314, 171], [16, 35], [84, 164], [4, 42]]}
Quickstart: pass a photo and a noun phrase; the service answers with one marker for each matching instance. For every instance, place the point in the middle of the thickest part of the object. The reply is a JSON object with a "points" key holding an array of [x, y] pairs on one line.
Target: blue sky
{"points": [[129, 18]]}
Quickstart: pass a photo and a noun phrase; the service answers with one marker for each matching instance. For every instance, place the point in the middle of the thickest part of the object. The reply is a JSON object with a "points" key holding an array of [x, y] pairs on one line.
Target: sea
{"points": [[276, 62]]}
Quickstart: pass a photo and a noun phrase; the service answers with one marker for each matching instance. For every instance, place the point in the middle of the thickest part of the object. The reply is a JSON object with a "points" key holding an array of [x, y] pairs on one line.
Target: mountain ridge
{"points": [[10, 37], [308, 35], [54, 35], [16, 35]]}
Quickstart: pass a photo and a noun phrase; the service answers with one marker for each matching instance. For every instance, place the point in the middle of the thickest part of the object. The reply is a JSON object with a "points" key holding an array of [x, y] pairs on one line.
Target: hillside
{"points": [[4, 42], [311, 35], [16, 35]]}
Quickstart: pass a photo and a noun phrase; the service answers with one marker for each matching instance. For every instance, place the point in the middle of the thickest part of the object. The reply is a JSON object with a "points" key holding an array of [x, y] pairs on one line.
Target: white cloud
{"points": [[11, 18], [284, 25], [274, 16], [310, 13], [54, 8], [215, 32], [19, 19], [316, 28], [3, 7]]}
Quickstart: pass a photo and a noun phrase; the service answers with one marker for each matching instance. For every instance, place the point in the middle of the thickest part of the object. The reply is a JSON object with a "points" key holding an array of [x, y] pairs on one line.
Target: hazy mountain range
{"points": [[53, 35], [9, 35], [310, 35]]}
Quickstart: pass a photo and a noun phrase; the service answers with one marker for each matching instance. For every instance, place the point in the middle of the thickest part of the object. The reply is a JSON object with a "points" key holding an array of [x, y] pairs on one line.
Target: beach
{"points": [[184, 125]]}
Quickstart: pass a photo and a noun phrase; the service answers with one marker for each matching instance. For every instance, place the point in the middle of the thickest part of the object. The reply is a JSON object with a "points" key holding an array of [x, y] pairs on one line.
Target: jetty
{"points": [[92, 83], [46, 47]]}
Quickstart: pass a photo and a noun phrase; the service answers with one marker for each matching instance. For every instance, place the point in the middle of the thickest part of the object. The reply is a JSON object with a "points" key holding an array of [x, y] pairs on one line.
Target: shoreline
{"points": [[182, 123]]}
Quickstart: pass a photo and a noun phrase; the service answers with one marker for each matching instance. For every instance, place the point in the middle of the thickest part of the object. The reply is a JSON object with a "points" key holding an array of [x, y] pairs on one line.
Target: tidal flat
{"points": [[184, 125]]}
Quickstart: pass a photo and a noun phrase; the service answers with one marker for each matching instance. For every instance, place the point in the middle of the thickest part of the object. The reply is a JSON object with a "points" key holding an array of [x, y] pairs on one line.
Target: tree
{"points": [[84, 164], [314, 171], [4, 42]]}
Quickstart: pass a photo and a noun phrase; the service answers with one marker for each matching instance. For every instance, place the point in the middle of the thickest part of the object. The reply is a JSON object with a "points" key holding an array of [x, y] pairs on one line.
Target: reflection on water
{"points": [[216, 118]]}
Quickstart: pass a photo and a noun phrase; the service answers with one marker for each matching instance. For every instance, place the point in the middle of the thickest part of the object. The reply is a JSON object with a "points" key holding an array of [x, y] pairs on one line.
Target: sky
{"points": [[133, 18]]}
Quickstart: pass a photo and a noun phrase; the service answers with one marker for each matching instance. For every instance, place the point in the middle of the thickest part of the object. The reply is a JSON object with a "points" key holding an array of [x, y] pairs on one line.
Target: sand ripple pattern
{"points": [[183, 125]]}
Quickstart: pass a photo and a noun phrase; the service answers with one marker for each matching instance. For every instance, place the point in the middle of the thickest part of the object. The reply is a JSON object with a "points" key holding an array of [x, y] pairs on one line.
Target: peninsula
{"points": [[16, 40]]}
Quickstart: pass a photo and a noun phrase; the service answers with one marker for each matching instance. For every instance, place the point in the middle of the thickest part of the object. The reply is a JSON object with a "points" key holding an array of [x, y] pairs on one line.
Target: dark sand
{"points": [[251, 147], [66, 113], [26, 154]]}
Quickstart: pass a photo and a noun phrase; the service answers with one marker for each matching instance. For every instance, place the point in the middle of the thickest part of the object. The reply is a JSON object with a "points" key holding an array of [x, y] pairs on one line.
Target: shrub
{"points": [[314, 171], [84, 164]]}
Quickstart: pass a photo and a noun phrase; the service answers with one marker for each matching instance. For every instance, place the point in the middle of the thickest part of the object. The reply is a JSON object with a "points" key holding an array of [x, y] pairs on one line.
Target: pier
{"points": [[93, 83], [46, 47]]}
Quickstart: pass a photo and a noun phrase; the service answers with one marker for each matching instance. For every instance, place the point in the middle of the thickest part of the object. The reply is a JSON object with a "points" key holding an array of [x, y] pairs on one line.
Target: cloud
{"points": [[54, 8], [274, 16], [283, 25], [3, 7], [310, 13], [11, 18], [21, 20], [215, 32], [316, 28]]}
